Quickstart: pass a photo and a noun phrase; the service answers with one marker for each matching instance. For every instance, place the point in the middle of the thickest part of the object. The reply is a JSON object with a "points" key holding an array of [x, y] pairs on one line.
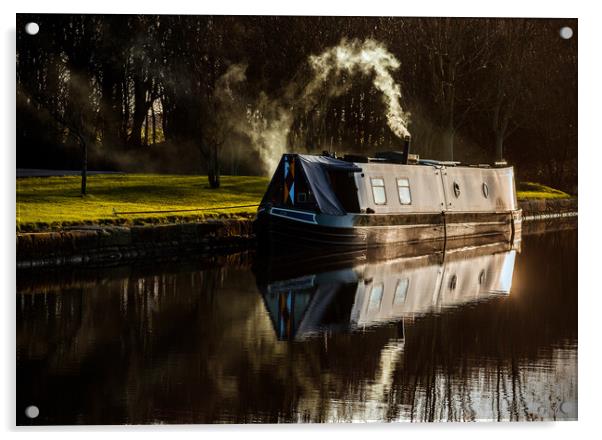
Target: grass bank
{"points": [[537, 191], [54, 202], [45, 203]]}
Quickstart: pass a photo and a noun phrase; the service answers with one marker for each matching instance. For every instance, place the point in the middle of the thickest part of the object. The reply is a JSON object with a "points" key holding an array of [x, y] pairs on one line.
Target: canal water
{"points": [[483, 333]]}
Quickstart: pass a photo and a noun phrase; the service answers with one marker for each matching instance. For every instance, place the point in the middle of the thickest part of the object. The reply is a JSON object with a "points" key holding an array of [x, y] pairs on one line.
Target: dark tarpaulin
{"points": [[315, 169]]}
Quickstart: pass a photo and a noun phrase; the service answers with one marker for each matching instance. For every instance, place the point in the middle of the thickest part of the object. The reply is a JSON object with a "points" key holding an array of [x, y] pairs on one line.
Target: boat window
{"points": [[401, 291], [378, 191], [485, 190], [343, 185], [376, 296], [403, 188]]}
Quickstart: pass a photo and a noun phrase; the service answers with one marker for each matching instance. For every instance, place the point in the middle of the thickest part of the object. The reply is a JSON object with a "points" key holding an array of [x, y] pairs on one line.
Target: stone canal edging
{"points": [[107, 244], [548, 208]]}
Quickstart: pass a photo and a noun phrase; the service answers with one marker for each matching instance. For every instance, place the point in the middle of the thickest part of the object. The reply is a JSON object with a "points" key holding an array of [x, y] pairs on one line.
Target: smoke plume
{"points": [[269, 125], [366, 58], [263, 124]]}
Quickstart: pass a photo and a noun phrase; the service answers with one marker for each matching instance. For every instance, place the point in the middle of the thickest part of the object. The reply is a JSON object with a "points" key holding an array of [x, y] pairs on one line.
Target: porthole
{"points": [[457, 189], [485, 190], [482, 277]]}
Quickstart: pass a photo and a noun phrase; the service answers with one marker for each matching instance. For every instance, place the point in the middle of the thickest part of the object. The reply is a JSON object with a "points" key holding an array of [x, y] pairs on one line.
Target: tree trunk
{"points": [[140, 112], [84, 147], [125, 122], [146, 130], [154, 124], [213, 168]]}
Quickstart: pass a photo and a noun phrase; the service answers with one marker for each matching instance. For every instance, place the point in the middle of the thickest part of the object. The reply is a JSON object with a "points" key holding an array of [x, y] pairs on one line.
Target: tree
{"points": [[69, 102], [552, 112], [89, 86], [451, 53], [506, 77]]}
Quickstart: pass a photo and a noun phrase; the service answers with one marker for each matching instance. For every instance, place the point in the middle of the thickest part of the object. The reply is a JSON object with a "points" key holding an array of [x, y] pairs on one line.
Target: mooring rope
{"points": [[183, 210]]}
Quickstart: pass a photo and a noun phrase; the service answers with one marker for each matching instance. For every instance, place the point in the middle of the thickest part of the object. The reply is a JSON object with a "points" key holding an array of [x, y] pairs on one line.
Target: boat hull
{"points": [[434, 232]]}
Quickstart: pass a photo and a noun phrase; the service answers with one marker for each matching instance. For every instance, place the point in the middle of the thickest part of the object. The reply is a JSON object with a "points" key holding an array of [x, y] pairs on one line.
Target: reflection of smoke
{"points": [[367, 58], [265, 123]]}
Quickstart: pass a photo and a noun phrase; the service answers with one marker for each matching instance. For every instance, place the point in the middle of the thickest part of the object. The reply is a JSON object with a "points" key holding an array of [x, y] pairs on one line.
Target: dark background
{"points": [[140, 91]]}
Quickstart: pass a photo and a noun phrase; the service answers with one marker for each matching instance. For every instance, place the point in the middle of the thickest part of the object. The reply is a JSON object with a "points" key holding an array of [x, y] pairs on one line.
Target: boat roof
{"points": [[330, 162], [316, 170], [393, 158]]}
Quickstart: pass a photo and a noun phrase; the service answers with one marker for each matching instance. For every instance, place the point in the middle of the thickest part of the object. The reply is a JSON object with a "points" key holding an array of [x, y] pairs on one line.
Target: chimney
{"points": [[406, 148]]}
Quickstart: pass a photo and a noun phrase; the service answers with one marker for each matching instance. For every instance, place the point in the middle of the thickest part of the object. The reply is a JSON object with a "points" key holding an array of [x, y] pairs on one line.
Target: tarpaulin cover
{"points": [[315, 169]]}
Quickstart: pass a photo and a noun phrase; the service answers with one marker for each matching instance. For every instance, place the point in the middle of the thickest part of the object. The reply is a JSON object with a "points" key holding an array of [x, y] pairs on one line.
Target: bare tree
{"points": [[452, 52], [213, 138], [506, 71], [72, 105]]}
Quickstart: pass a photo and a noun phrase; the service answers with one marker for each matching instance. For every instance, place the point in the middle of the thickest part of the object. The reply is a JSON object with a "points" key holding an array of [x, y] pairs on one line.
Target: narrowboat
{"points": [[358, 202]]}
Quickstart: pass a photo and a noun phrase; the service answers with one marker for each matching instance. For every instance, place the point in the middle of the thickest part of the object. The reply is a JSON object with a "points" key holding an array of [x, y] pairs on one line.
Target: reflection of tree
{"points": [[490, 348], [192, 346]]}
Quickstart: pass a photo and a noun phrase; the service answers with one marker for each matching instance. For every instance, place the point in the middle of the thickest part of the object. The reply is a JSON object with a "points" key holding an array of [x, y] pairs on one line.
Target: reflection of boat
{"points": [[370, 292], [358, 202]]}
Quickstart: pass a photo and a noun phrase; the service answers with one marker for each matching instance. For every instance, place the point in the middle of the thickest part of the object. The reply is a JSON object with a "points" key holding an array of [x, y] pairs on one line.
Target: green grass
{"points": [[531, 190], [54, 202]]}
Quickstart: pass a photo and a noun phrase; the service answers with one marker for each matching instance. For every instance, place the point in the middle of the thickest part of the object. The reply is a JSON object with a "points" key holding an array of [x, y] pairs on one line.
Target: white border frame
{"points": [[590, 302]]}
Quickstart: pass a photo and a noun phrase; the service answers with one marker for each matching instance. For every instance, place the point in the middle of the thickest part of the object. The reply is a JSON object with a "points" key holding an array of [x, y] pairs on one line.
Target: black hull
{"points": [[276, 232], [431, 233]]}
